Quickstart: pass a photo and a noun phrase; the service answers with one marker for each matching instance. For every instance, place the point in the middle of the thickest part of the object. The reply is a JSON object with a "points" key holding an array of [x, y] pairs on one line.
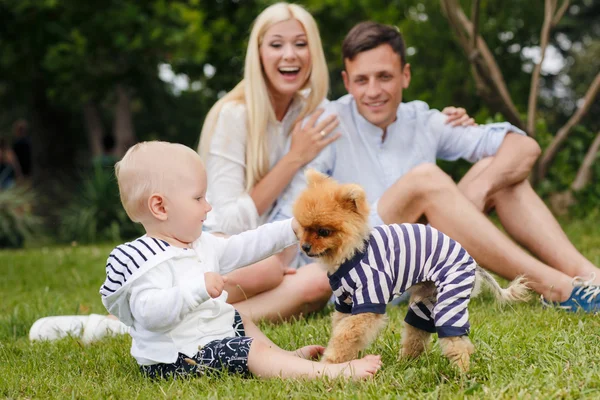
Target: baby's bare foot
{"points": [[311, 352], [363, 368]]}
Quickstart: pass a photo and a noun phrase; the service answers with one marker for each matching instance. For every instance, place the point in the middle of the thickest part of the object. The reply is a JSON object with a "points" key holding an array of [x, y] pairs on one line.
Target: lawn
{"points": [[523, 351]]}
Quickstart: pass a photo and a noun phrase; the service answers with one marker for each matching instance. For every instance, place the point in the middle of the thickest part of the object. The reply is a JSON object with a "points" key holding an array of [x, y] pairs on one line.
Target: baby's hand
{"points": [[214, 284]]}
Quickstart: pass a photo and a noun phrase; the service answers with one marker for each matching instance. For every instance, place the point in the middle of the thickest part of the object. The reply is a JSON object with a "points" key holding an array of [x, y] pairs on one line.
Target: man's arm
{"points": [[513, 154]]}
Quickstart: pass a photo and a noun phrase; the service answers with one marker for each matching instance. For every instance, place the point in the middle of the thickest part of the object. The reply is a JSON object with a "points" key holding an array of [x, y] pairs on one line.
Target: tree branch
{"points": [[585, 170], [561, 11], [535, 76], [498, 96], [563, 132], [475, 19], [123, 125], [93, 124]]}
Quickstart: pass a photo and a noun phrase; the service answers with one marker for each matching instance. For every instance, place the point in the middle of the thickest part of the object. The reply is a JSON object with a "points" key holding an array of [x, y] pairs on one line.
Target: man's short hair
{"points": [[367, 35]]}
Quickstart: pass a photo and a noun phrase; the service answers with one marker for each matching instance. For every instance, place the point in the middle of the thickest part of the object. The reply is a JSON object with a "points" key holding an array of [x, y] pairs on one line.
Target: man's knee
{"points": [[427, 179], [510, 192]]}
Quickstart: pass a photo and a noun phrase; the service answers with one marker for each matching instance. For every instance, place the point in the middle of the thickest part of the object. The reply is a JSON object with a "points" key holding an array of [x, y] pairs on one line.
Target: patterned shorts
{"points": [[229, 354]]}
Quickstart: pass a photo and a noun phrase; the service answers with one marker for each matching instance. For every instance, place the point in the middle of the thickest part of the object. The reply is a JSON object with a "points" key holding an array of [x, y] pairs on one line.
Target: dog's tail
{"points": [[516, 291]]}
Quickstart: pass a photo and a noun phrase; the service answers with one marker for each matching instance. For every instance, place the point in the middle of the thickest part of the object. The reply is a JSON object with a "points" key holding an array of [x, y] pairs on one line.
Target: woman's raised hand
{"points": [[310, 139]]}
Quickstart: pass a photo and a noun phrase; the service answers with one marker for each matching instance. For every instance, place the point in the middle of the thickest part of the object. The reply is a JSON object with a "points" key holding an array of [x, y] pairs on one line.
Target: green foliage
{"points": [[56, 55], [523, 351], [17, 222], [82, 49], [96, 213]]}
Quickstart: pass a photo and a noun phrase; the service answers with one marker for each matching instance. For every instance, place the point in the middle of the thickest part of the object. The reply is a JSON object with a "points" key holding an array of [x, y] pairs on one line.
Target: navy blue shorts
{"points": [[229, 354]]}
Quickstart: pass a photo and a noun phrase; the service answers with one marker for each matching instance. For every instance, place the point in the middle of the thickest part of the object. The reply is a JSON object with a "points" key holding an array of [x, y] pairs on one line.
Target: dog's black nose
{"points": [[306, 247]]}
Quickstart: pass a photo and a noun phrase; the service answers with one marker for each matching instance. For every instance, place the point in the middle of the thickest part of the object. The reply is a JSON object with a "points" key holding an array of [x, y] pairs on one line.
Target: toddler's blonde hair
{"points": [[148, 168]]}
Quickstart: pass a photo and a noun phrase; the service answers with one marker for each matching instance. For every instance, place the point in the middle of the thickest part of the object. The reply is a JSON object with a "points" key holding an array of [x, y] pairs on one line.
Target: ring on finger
{"points": [[322, 134]]}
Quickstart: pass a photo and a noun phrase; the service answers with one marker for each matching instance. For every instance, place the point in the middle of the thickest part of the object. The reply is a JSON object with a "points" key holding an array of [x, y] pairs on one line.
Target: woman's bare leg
{"points": [[259, 277], [299, 294]]}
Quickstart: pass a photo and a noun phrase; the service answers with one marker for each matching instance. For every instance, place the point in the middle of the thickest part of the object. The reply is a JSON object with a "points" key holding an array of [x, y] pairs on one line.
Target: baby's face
{"points": [[187, 205]]}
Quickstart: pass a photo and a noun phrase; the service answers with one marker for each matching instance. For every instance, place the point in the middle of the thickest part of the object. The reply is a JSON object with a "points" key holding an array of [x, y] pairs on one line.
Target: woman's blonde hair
{"points": [[253, 92]]}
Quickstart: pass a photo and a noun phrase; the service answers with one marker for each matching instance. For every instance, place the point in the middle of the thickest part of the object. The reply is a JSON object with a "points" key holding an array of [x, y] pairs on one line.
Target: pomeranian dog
{"points": [[367, 268]]}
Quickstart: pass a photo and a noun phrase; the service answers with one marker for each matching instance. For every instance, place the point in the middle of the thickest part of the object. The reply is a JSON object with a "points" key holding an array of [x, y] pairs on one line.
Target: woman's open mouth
{"points": [[289, 73]]}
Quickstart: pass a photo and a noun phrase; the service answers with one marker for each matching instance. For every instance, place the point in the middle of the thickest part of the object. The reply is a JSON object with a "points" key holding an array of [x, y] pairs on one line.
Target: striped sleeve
{"points": [[126, 259]]}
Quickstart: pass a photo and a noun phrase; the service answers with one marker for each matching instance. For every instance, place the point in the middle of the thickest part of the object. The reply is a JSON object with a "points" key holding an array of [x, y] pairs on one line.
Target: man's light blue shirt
{"points": [[419, 135]]}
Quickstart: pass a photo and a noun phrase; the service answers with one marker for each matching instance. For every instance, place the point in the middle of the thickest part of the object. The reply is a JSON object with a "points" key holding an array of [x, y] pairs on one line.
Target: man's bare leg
{"points": [[299, 294], [427, 190], [527, 220]]}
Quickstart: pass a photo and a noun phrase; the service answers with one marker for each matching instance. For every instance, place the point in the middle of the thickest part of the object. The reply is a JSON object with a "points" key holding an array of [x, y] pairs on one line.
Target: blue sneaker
{"points": [[584, 297]]}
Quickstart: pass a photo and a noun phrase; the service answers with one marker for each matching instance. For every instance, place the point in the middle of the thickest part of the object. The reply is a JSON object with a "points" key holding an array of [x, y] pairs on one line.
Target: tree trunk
{"points": [[551, 151], [585, 170], [53, 154], [123, 127], [95, 130]]}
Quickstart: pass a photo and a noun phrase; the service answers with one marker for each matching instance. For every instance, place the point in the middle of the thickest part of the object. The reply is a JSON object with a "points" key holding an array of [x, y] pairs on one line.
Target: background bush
{"points": [[95, 213], [17, 222]]}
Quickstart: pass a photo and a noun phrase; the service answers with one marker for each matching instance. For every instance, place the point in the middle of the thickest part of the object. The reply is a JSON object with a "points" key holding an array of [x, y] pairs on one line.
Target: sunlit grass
{"points": [[523, 351]]}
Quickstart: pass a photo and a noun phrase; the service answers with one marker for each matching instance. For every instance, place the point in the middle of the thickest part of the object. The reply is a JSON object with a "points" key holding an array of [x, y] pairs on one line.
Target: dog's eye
{"points": [[323, 232]]}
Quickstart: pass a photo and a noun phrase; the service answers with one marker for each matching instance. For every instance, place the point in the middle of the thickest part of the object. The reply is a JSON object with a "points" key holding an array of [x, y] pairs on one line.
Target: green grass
{"points": [[523, 351]]}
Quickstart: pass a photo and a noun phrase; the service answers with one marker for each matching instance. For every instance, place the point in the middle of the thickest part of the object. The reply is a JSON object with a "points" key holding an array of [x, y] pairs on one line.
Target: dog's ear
{"points": [[353, 197], [314, 177]]}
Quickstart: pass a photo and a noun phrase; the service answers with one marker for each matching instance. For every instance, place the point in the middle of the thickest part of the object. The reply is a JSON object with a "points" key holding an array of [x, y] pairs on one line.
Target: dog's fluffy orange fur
{"points": [[334, 224]]}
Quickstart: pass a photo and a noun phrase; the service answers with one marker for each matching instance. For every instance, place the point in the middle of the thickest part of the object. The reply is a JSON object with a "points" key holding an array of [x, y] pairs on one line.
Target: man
{"points": [[390, 148]]}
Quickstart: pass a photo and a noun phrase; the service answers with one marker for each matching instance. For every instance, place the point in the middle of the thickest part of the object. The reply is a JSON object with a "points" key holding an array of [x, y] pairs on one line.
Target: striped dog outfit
{"points": [[398, 256]]}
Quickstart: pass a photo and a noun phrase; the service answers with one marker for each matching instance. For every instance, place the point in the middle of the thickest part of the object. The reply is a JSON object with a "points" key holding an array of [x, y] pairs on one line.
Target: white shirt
{"points": [[234, 210], [159, 290]]}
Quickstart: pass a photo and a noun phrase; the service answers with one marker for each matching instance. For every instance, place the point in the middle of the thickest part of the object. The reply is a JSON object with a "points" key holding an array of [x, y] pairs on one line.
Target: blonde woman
{"points": [[253, 144]]}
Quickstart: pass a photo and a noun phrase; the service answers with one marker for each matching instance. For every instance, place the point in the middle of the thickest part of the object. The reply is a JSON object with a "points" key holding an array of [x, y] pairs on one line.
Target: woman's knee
{"points": [[314, 284], [256, 278]]}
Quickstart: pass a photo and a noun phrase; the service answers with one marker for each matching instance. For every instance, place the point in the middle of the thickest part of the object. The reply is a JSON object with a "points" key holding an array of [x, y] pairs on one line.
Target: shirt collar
{"points": [[366, 128], [348, 265]]}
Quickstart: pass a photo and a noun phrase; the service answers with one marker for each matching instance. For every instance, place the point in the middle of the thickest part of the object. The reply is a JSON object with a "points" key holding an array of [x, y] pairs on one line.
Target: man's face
{"points": [[375, 78]]}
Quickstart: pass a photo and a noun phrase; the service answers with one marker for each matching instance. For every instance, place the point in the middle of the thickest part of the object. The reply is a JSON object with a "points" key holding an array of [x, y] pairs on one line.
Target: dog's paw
{"points": [[335, 357], [410, 352], [326, 360], [461, 361], [458, 350]]}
